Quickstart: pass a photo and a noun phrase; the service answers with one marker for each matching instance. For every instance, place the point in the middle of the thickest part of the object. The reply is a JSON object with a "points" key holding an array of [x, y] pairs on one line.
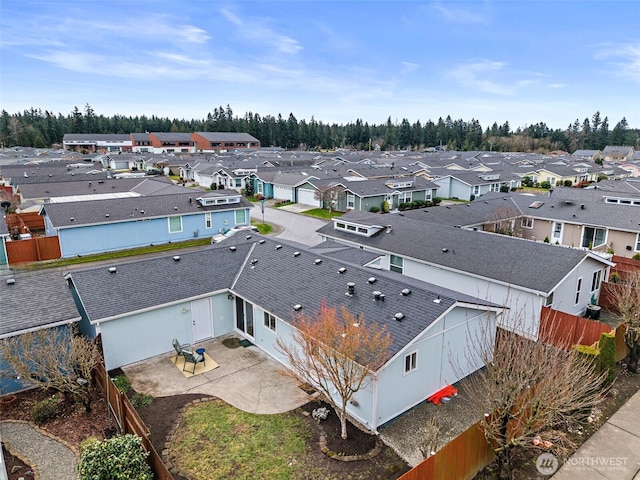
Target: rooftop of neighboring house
{"points": [[102, 187], [502, 258], [93, 212], [617, 150], [92, 137], [34, 299], [242, 265]]}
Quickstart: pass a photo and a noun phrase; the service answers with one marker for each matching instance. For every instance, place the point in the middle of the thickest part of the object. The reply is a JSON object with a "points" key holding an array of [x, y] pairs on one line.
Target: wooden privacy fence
{"points": [[564, 330], [129, 421], [460, 459], [33, 250]]}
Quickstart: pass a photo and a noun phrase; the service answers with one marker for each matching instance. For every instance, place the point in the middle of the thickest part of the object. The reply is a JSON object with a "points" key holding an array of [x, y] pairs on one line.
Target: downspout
{"points": [[374, 408]]}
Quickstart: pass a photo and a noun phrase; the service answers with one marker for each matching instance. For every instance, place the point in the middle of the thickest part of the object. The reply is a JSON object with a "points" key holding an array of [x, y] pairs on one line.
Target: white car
{"points": [[232, 231]]}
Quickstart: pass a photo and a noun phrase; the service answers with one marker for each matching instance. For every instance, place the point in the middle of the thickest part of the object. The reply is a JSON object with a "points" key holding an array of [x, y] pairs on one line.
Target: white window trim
{"points": [[169, 224], [414, 365], [266, 321], [208, 222], [596, 280], [526, 222], [400, 267], [578, 290]]}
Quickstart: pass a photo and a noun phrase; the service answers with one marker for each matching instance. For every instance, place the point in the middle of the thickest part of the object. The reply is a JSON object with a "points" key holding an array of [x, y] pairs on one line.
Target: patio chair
{"points": [[190, 357], [180, 348]]}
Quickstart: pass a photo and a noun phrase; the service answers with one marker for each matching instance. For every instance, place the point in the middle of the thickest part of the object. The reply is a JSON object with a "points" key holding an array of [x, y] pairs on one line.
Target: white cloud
{"points": [[475, 75], [459, 16], [259, 32], [408, 67], [624, 57]]}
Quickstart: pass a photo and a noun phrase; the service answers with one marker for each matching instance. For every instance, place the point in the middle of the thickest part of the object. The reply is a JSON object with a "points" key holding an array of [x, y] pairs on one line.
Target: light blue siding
{"points": [[85, 240], [443, 358]]}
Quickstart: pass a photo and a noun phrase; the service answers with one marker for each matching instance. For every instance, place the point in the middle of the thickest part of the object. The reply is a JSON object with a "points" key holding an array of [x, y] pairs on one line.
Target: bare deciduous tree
{"points": [[335, 352], [328, 196], [505, 220], [624, 297], [530, 392], [53, 359]]}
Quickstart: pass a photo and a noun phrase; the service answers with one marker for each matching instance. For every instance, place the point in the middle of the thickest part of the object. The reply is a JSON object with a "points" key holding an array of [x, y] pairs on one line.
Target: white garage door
{"points": [[308, 197], [283, 193]]}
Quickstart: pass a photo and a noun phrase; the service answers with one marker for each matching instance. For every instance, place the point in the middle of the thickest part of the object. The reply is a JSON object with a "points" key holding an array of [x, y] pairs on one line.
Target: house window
{"points": [[427, 195], [410, 362], [595, 281], [175, 224], [260, 187], [207, 220], [578, 288], [404, 197], [638, 242], [270, 321], [593, 237], [476, 190], [241, 217], [526, 222], [549, 300], [495, 187], [396, 264], [238, 182], [557, 230], [351, 201]]}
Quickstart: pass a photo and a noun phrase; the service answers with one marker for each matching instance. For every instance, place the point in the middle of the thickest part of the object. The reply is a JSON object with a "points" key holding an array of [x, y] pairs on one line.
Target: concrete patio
{"points": [[246, 378]]}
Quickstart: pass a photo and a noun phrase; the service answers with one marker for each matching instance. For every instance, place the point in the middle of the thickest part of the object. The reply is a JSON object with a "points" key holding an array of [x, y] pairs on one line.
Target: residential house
{"points": [[141, 143], [617, 153], [224, 141], [96, 226], [32, 300], [255, 292], [591, 155], [466, 185], [519, 274]]}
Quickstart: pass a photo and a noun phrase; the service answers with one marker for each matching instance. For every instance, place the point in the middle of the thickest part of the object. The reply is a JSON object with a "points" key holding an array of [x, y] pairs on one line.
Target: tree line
{"points": [[35, 128]]}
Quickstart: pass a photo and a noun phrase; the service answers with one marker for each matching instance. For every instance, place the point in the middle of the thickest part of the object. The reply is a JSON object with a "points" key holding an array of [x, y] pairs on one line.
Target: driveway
{"points": [[246, 378], [296, 227]]}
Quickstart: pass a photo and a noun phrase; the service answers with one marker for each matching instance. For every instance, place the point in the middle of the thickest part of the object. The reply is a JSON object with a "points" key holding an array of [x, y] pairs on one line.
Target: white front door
{"points": [[556, 235], [201, 321]]}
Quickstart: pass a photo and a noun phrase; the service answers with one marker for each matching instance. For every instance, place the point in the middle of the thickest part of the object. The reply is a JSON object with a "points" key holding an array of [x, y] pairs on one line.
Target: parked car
{"points": [[232, 231]]}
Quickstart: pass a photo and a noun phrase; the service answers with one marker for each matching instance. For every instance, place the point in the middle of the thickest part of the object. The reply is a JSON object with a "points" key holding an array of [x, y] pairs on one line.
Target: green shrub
{"points": [[374, 209], [141, 400], [86, 442], [119, 458], [420, 203], [546, 240], [636, 256], [607, 360], [436, 200], [404, 206], [46, 409], [472, 197], [545, 184], [568, 183], [385, 207], [122, 382]]}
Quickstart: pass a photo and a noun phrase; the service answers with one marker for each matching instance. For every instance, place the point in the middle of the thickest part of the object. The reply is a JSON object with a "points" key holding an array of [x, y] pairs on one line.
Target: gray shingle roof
{"points": [[276, 281], [36, 299], [131, 209], [227, 137], [506, 259]]}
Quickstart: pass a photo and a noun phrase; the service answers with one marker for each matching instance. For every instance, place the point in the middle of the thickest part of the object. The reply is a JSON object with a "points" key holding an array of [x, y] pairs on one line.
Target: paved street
{"points": [[296, 227]]}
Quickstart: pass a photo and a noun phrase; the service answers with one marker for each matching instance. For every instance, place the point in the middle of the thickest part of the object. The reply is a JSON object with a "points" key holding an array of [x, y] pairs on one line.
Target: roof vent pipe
{"points": [[176, 258], [113, 269], [351, 288]]}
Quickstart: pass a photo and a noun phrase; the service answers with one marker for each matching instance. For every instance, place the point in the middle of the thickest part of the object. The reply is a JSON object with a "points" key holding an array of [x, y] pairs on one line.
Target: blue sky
{"points": [[496, 61]]}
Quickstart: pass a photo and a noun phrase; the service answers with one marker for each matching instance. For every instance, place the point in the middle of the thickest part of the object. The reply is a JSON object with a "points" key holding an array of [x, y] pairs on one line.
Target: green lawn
{"points": [[120, 254], [263, 228], [321, 213], [216, 440]]}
